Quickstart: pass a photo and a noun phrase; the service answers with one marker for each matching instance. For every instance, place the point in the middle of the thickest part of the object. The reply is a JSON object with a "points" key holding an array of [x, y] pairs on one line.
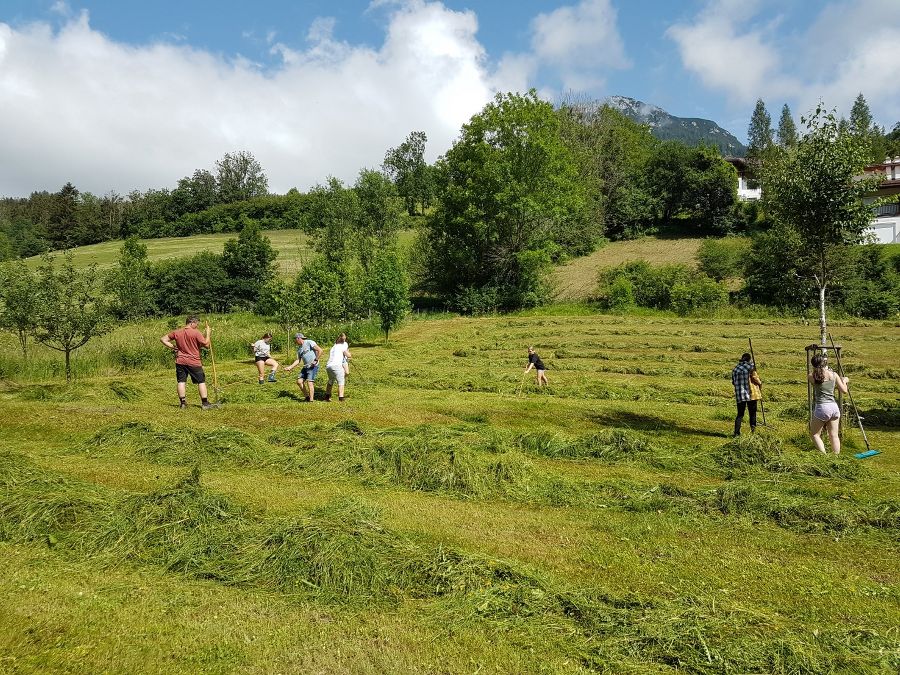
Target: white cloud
{"points": [[847, 48], [580, 41], [79, 106], [727, 54]]}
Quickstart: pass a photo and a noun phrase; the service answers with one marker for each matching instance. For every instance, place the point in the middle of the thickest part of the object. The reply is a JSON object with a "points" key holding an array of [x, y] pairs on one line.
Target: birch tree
{"points": [[817, 190]]}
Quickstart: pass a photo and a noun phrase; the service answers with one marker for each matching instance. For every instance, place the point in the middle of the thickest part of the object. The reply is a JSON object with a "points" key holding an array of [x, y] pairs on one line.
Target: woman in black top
{"points": [[534, 361]]}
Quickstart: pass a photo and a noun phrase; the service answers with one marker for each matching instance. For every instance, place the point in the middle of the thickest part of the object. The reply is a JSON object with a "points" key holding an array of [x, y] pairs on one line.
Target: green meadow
{"points": [[449, 516]]}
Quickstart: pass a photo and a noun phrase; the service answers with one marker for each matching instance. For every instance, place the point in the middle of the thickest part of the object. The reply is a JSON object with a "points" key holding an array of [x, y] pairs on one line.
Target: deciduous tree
{"points": [[817, 191], [240, 176], [130, 284], [387, 289], [407, 167], [18, 295], [508, 185], [70, 310]]}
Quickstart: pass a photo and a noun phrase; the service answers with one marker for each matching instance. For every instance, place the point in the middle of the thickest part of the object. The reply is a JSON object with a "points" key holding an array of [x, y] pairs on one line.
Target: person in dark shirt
{"points": [[534, 361]]}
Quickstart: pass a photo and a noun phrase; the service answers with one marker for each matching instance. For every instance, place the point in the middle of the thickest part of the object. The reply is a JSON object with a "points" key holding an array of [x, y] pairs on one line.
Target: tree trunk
{"points": [[68, 366], [823, 328], [23, 343]]}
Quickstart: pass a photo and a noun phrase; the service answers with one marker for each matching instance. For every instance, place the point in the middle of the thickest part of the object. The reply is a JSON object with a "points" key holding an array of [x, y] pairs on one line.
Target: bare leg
{"points": [[542, 377], [340, 390], [274, 364], [312, 390], [328, 390], [815, 431], [832, 427], [182, 389], [203, 391], [261, 368]]}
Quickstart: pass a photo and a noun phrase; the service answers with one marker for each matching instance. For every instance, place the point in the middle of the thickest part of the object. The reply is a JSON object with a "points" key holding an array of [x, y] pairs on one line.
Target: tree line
{"points": [[526, 185]]}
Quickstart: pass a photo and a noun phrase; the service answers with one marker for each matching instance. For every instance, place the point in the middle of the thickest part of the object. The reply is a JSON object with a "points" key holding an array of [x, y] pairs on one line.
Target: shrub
{"points": [[667, 287], [723, 258], [473, 300], [189, 284], [701, 293], [620, 294]]}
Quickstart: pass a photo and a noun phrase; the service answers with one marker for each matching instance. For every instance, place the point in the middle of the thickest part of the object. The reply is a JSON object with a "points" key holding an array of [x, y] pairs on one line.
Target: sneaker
{"points": [[271, 378], [182, 406], [207, 406], [261, 382]]}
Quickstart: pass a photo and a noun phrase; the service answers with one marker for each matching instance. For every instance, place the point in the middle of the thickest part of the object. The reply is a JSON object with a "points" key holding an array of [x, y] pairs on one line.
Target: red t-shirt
{"points": [[189, 341]]}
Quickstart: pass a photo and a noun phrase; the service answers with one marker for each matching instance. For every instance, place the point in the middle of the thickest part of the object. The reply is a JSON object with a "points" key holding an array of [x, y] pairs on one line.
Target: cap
{"points": [[299, 335]]}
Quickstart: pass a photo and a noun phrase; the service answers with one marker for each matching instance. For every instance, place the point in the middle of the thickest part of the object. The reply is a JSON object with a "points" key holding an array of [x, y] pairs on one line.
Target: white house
{"points": [[746, 193], [885, 229]]}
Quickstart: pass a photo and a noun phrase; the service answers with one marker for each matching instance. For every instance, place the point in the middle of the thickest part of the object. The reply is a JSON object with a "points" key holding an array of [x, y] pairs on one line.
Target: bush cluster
{"points": [[668, 287]]}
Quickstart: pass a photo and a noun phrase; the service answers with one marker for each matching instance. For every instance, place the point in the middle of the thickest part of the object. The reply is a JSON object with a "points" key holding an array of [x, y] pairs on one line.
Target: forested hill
{"points": [[690, 130]]}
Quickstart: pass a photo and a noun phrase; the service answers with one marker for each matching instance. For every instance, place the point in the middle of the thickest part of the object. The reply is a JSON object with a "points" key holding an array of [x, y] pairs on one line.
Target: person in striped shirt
{"points": [[747, 391]]}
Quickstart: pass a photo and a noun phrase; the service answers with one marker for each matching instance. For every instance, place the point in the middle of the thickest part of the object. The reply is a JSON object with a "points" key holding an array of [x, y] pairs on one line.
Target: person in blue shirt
{"points": [[308, 352]]}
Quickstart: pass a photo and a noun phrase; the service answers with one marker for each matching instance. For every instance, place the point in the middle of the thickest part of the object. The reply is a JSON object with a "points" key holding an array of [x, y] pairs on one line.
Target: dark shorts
{"points": [[196, 372], [262, 358], [309, 373]]}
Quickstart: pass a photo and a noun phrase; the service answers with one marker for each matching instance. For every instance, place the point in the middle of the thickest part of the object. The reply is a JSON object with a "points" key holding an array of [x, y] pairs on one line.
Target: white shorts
{"points": [[335, 374]]}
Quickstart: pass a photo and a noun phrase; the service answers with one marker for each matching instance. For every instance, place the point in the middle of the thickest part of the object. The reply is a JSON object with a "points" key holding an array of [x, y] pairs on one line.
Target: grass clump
{"points": [[754, 450], [180, 446], [35, 506], [125, 391], [765, 451]]}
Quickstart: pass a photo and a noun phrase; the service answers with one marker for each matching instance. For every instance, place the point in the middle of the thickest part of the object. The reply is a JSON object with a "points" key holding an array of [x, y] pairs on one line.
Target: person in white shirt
{"points": [[262, 355], [335, 366]]}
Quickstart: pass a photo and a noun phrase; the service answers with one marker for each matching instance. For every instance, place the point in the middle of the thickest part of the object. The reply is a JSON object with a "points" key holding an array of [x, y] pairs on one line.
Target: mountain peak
{"points": [[665, 126]]}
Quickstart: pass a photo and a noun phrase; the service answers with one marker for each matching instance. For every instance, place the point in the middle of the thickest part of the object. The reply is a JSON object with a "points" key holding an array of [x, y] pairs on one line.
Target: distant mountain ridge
{"points": [[690, 130]]}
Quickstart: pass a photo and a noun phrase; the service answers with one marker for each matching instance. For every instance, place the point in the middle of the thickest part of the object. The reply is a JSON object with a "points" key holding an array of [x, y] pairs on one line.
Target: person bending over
{"points": [[825, 413], [534, 361], [262, 355], [308, 352]]}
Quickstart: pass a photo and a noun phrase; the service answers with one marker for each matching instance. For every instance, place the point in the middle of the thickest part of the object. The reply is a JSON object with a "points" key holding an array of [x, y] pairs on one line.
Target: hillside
{"points": [[690, 130], [577, 279]]}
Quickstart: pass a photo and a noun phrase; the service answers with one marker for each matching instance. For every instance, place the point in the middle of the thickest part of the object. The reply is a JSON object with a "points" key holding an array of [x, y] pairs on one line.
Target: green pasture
{"points": [[449, 517], [293, 246]]}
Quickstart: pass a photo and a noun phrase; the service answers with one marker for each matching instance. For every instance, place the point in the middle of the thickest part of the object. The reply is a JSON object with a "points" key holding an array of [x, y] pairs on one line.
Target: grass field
{"points": [[449, 517], [292, 246], [577, 280]]}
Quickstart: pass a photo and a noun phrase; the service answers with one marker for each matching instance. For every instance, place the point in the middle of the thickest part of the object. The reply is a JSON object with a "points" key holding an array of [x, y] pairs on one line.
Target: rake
{"points": [[762, 405], [521, 384], [212, 359], [869, 451]]}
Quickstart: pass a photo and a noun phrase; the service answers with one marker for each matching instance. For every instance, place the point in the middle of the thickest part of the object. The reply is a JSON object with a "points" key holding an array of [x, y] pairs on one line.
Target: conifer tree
{"points": [[759, 134], [787, 130]]}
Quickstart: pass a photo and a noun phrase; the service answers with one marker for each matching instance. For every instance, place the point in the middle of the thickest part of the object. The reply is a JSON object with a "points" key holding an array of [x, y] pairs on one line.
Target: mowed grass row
{"points": [[633, 535]]}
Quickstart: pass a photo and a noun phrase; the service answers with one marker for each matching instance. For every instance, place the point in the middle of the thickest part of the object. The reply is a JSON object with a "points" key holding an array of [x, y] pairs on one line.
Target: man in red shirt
{"points": [[186, 343]]}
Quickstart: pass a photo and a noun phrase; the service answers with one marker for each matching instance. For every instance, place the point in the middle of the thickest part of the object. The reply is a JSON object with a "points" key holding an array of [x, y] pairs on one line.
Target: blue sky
{"points": [[131, 95]]}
